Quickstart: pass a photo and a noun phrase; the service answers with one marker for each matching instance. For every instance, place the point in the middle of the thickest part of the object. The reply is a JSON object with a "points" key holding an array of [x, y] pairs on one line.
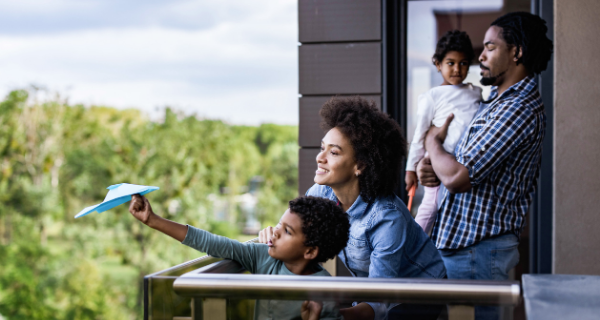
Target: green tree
{"points": [[56, 159]]}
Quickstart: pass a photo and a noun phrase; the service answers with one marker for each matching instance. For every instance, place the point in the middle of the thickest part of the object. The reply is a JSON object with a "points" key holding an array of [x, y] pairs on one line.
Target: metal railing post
{"points": [[197, 312], [214, 309], [461, 312]]}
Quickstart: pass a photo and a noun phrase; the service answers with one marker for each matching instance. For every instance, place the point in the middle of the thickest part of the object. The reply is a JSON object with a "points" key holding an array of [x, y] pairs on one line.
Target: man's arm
{"points": [[450, 172]]}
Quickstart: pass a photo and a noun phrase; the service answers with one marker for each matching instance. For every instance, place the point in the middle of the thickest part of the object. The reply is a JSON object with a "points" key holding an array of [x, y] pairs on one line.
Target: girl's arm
{"points": [[140, 208], [425, 112]]}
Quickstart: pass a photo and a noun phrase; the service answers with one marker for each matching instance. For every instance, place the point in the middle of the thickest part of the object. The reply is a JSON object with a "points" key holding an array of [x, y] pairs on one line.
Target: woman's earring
{"points": [[356, 173]]}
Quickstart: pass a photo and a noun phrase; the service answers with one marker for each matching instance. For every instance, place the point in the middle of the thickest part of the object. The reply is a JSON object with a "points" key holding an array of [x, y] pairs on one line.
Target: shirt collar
{"points": [[358, 208], [522, 87]]}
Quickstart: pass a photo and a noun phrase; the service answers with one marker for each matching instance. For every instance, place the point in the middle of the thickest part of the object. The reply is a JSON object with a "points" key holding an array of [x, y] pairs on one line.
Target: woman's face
{"points": [[336, 166]]}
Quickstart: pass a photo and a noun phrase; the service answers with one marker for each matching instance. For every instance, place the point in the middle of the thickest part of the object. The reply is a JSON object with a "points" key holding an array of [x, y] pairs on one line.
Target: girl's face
{"points": [[454, 68], [336, 166]]}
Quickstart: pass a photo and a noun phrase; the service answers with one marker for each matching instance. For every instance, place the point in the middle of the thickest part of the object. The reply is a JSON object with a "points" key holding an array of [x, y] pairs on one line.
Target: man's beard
{"points": [[491, 80]]}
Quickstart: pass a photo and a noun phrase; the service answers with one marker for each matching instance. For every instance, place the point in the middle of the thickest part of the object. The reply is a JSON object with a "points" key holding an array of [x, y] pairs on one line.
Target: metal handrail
{"points": [[425, 291]]}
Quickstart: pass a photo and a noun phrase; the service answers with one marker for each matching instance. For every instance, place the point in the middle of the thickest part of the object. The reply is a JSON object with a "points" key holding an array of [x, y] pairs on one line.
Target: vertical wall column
{"points": [[339, 54], [576, 135]]}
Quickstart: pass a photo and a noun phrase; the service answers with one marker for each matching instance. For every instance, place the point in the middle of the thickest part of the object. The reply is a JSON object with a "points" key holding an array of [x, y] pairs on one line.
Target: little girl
{"points": [[453, 55]]}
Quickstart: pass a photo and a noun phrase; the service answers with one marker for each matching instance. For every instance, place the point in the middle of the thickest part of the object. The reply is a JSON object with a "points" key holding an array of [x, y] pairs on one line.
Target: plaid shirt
{"points": [[502, 149]]}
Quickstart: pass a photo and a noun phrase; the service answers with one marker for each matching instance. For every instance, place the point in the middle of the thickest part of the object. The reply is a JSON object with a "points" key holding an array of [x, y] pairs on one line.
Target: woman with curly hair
{"points": [[358, 167]]}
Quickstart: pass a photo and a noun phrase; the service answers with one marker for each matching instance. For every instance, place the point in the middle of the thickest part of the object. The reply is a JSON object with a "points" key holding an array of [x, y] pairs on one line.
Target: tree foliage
{"points": [[56, 159]]}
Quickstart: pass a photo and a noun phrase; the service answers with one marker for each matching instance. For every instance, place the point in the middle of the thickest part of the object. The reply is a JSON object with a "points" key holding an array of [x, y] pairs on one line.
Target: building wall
{"points": [[577, 137], [339, 54]]}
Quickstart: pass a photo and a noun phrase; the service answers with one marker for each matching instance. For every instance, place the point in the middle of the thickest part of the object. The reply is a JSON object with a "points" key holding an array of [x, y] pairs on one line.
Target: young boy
{"points": [[312, 230]]}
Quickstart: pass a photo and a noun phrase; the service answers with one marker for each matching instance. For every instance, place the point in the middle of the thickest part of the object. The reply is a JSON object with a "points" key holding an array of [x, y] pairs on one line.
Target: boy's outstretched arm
{"points": [[140, 208], [217, 246]]}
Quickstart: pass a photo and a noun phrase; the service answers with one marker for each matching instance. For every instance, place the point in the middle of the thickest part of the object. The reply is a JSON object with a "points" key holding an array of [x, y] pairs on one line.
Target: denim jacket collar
{"points": [[357, 209]]}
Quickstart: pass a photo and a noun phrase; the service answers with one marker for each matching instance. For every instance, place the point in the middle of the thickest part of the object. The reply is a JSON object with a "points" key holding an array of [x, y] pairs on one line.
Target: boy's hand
{"points": [[265, 235], [311, 310], [140, 208], [360, 311], [411, 179]]}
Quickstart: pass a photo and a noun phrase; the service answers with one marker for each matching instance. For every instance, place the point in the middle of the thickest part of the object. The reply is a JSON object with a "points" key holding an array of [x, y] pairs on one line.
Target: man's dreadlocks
{"points": [[528, 33]]}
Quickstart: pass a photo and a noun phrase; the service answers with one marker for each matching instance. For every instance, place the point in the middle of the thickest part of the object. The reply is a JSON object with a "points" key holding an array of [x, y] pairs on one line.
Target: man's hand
{"points": [[438, 134], [411, 179], [453, 174], [265, 234], [140, 208], [311, 310], [426, 174]]}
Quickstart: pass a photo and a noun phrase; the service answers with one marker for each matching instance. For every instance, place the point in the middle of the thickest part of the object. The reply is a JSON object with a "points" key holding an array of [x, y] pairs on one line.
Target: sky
{"points": [[234, 60]]}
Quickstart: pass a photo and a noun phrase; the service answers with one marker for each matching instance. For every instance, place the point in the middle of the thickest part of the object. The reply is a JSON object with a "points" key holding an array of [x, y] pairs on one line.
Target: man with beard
{"points": [[492, 176]]}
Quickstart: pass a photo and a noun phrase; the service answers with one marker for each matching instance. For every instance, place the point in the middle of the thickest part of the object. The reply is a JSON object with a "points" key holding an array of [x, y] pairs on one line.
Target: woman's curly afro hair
{"points": [[527, 32], [324, 224], [377, 140], [454, 40]]}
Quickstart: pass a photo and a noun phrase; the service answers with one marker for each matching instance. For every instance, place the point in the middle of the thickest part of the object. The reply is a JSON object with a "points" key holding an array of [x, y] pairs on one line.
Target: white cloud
{"points": [[242, 68]]}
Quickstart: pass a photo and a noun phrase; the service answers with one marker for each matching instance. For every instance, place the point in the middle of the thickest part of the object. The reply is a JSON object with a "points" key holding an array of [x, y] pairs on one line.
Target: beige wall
{"points": [[577, 137]]}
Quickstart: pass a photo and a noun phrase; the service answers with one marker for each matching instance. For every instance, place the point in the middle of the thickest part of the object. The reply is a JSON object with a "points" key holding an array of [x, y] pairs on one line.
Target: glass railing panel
{"points": [[161, 302], [460, 296], [212, 288]]}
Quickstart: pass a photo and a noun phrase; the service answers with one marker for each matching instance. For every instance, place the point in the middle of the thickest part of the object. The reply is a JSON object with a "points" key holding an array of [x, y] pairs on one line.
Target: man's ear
{"points": [[517, 52], [311, 253]]}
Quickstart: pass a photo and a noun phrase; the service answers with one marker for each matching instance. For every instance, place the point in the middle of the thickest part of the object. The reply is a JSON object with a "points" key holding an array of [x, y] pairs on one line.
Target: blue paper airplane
{"points": [[117, 195]]}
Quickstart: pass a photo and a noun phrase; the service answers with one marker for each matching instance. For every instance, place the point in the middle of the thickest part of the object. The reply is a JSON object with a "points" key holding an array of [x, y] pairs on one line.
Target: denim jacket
{"points": [[385, 242]]}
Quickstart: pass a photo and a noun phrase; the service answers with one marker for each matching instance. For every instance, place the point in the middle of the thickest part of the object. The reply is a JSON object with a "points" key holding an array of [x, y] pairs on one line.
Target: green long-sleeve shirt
{"points": [[255, 258]]}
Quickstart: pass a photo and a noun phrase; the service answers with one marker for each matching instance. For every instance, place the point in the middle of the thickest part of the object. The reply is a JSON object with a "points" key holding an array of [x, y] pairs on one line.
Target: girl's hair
{"points": [[453, 41], [377, 140]]}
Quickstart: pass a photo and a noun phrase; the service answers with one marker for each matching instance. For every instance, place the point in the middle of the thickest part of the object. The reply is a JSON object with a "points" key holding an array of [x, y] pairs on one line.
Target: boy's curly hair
{"points": [[324, 224], [378, 143], [454, 40]]}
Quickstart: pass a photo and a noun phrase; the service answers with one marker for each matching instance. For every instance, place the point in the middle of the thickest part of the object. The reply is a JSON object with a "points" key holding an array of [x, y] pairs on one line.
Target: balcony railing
{"points": [[212, 288]]}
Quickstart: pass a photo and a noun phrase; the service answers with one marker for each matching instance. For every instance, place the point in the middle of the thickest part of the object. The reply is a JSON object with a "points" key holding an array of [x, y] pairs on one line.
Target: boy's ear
{"points": [[311, 253]]}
